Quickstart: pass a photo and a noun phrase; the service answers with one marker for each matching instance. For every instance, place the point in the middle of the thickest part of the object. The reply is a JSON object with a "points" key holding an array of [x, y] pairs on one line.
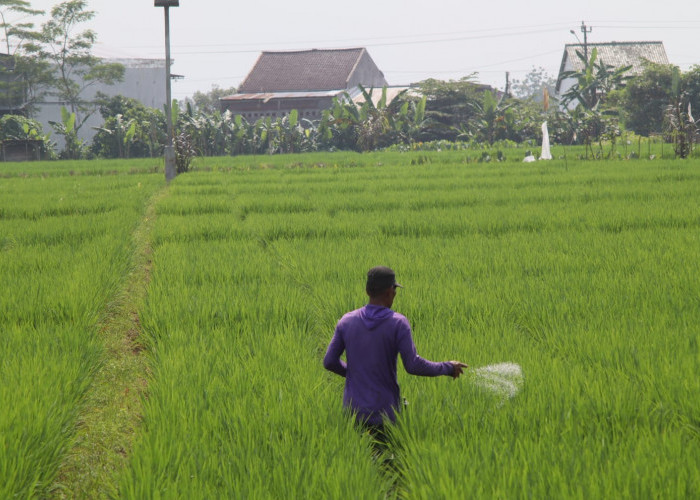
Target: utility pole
{"points": [[507, 92], [169, 147], [585, 30]]}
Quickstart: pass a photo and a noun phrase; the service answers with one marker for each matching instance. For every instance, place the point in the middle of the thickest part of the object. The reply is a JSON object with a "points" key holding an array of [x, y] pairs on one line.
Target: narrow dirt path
{"points": [[112, 408]]}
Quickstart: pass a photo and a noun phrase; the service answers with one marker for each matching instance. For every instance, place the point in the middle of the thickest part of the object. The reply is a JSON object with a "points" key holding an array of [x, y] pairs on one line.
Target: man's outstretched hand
{"points": [[458, 368]]}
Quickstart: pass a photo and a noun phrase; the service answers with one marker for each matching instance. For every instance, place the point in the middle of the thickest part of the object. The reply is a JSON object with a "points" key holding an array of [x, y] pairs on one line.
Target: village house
{"points": [[615, 54], [144, 80], [307, 81]]}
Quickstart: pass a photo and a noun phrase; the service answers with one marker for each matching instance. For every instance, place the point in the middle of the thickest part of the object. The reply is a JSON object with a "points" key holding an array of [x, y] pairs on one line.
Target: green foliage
{"points": [[645, 98], [65, 247], [533, 85], [368, 126], [19, 76], [20, 128], [74, 146], [679, 123], [495, 121], [121, 114], [11, 87], [123, 132], [449, 106], [17, 127], [184, 152], [208, 102], [691, 86], [73, 67], [655, 101], [586, 276], [15, 32], [465, 111], [593, 118], [581, 276], [593, 82]]}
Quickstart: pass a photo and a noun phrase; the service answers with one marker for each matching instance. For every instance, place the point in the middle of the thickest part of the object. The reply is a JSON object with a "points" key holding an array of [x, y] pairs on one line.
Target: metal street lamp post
{"points": [[169, 147]]}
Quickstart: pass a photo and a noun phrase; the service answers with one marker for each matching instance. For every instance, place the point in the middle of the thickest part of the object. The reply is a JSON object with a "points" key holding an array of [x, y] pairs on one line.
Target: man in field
{"points": [[372, 337]]}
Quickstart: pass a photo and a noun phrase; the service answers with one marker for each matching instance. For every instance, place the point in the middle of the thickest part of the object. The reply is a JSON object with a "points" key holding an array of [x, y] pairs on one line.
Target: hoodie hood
{"points": [[372, 316]]}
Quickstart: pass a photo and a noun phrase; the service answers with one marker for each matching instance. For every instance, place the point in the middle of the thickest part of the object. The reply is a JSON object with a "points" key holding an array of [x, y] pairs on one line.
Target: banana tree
{"points": [[411, 118], [74, 146], [494, 120], [368, 125], [678, 118], [594, 81], [123, 131], [339, 124], [291, 135]]}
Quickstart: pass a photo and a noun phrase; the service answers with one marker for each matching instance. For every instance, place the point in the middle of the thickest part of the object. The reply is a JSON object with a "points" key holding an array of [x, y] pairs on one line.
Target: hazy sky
{"points": [[218, 41]]}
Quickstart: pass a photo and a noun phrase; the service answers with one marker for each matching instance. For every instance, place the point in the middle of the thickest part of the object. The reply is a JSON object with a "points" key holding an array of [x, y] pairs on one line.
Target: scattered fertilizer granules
{"points": [[503, 379]]}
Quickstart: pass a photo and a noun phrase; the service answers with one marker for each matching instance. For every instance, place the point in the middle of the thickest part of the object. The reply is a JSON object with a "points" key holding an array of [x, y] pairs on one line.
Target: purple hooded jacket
{"points": [[372, 338]]}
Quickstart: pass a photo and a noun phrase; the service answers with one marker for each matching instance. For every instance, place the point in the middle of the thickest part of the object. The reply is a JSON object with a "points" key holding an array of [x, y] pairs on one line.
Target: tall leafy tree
{"points": [[69, 51], [591, 119], [129, 129], [208, 102], [679, 124], [691, 85], [645, 98], [532, 85], [451, 106], [14, 33], [15, 29]]}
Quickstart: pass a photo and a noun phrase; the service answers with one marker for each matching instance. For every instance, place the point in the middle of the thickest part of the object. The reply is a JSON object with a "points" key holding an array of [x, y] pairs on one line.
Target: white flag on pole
{"points": [[546, 154]]}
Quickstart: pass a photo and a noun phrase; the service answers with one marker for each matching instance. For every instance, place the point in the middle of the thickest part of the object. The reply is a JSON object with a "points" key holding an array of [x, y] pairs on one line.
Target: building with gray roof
{"points": [[615, 54]]}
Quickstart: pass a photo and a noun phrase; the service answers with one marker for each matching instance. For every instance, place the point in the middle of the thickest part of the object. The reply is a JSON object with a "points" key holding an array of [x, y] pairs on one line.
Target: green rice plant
{"points": [[585, 274], [79, 168], [64, 249], [231, 405]]}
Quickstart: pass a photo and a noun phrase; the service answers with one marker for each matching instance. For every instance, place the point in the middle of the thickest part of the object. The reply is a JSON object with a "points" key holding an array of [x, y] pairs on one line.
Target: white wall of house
{"points": [[566, 84], [144, 80]]}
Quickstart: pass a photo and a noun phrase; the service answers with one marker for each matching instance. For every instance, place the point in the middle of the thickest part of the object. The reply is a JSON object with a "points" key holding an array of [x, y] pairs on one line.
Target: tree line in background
{"points": [[603, 103], [53, 61]]}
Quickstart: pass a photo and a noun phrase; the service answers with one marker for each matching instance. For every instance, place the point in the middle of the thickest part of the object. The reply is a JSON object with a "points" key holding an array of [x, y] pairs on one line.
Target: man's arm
{"points": [[413, 363], [331, 360]]}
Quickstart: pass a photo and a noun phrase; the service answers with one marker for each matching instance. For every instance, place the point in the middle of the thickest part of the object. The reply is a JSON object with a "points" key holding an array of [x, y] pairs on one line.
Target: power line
{"points": [[645, 23], [391, 44], [504, 31], [415, 39], [508, 61]]}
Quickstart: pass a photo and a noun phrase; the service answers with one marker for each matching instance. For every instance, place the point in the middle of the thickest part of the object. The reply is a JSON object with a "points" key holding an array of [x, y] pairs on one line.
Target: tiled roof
{"points": [[302, 70], [618, 54]]}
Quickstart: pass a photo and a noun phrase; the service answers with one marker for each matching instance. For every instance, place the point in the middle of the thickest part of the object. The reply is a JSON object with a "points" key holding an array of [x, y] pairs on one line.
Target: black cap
{"points": [[380, 278]]}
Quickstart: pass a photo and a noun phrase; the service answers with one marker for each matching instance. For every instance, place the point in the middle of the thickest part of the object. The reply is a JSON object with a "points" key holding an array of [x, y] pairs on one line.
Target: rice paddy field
{"points": [[584, 274]]}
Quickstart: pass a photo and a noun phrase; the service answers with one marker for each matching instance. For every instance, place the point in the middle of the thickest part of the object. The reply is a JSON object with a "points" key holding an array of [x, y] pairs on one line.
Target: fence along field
{"points": [[585, 274]]}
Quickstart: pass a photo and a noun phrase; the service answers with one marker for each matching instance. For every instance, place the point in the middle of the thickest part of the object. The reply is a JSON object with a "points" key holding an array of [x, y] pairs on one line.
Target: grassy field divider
{"points": [[113, 405]]}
